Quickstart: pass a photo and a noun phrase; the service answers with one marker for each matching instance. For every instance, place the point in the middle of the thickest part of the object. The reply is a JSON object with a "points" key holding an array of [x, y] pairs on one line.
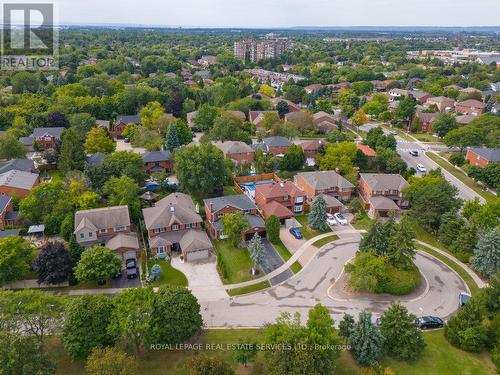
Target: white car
{"points": [[330, 219], [421, 168], [340, 218]]}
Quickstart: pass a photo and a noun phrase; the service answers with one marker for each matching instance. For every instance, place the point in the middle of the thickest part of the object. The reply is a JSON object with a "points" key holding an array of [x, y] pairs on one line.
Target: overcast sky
{"points": [[282, 13]]}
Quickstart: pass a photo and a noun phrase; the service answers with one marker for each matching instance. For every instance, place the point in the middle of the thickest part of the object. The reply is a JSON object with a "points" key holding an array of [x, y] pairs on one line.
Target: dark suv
{"points": [[428, 322], [131, 266]]}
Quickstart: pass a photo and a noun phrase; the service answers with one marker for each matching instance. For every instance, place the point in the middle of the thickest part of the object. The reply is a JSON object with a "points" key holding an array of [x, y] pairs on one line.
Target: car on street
{"points": [[131, 266], [330, 219], [394, 132], [463, 298], [429, 322], [421, 168], [296, 233], [340, 218], [414, 152]]}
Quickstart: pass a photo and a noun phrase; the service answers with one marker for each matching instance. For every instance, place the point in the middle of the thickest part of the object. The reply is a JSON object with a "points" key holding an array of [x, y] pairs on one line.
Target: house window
{"points": [[119, 228], [247, 211], [91, 234], [82, 235], [285, 197], [157, 164], [161, 250], [103, 230], [299, 200], [298, 209], [175, 227], [187, 226]]}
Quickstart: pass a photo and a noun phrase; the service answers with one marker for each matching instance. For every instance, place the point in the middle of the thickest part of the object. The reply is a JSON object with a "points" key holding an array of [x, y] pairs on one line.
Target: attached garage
{"points": [[197, 255], [249, 235], [195, 245]]}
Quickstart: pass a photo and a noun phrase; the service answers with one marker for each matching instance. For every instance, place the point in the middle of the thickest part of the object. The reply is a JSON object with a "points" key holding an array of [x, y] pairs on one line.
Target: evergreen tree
{"points": [[401, 247], [466, 330], [403, 338], [317, 216], [72, 156], [256, 250], [466, 240], [365, 340], [377, 237], [450, 228], [273, 229], [346, 325], [486, 259], [172, 139]]}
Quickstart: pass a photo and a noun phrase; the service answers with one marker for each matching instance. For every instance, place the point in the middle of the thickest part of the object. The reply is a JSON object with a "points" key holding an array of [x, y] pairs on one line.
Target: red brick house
{"points": [[256, 117], [158, 162], [121, 122], [5, 208], [277, 145], [367, 151], [481, 157], [442, 103], [471, 107], [292, 107], [286, 194], [382, 193], [18, 183], [47, 138], [426, 120], [311, 149], [238, 152], [216, 208]]}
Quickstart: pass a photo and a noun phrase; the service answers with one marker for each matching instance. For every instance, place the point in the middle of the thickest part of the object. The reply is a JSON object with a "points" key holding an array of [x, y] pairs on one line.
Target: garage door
{"points": [[197, 255], [249, 236], [129, 255]]}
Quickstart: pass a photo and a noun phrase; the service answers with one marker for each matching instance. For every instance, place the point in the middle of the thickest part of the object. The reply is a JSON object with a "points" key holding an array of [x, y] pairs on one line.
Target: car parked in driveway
{"points": [[428, 322], [340, 218], [330, 219], [296, 233], [131, 268], [421, 168]]}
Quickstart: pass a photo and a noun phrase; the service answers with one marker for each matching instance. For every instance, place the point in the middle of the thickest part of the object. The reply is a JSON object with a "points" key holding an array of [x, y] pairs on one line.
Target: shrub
{"points": [[457, 159], [221, 266], [400, 282]]}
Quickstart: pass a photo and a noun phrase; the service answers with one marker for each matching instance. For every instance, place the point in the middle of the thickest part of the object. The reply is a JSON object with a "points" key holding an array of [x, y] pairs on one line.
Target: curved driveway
{"points": [[316, 283]]}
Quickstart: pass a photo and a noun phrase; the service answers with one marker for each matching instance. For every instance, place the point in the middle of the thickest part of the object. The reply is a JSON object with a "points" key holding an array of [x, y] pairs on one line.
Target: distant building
{"points": [[443, 103], [238, 152], [121, 122], [471, 107], [265, 48], [18, 183], [157, 162], [481, 157]]}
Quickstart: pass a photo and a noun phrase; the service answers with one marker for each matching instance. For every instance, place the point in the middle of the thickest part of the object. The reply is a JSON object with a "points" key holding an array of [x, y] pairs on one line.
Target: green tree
{"points": [[204, 119], [376, 238], [406, 109], [86, 320], [466, 240], [124, 191], [403, 339], [294, 159], [450, 228], [98, 141], [53, 263], [365, 340], [233, 225], [444, 123], [26, 82], [401, 248], [294, 93], [177, 314], [466, 330], [111, 361], [273, 229], [245, 352], [346, 325], [464, 137], [97, 264], [486, 258], [133, 317], [24, 355], [151, 112], [184, 134], [202, 365], [172, 139], [359, 118], [228, 128], [72, 155], [15, 258], [10, 147], [338, 155], [257, 254], [317, 215]]}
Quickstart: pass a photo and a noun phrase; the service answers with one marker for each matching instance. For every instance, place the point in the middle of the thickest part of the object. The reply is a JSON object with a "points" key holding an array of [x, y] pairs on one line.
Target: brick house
{"points": [[420, 96], [325, 122], [45, 138], [369, 152], [277, 145], [175, 227], [326, 183], [5, 209], [443, 103], [285, 194], [315, 87], [238, 152], [108, 226], [157, 162], [481, 157], [426, 120], [382, 193], [256, 117], [121, 122], [471, 107], [292, 107], [216, 208], [18, 183]]}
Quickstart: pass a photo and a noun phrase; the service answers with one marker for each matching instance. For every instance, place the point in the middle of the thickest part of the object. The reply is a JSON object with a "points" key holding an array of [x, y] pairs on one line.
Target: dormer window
{"points": [[119, 228], [91, 234], [103, 230]]}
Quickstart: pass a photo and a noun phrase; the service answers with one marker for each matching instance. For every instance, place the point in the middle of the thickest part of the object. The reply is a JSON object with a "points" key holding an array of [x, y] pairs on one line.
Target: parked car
{"points": [[378, 322], [296, 233], [394, 132], [414, 152], [427, 322], [131, 266], [421, 168], [463, 298], [126, 140], [330, 219], [341, 218]]}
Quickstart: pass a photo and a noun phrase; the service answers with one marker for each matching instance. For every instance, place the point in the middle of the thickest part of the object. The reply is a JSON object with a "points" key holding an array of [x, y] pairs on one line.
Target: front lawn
{"points": [[362, 222], [249, 289], [169, 275], [237, 262], [426, 137], [285, 254], [326, 240], [306, 230]]}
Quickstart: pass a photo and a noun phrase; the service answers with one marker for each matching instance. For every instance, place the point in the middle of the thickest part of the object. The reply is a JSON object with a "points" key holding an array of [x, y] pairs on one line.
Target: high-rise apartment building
{"points": [[269, 47]]}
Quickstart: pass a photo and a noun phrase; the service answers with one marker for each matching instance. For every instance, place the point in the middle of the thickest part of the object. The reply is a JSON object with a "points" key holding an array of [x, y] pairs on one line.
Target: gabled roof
{"points": [[241, 202], [95, 160], [195, 240], [123, 240], [490, 154], [9, 232], [233, 147], [52, 132], [102, 218], [318, 115], [255, 117], [465, 119], [25, 165], [322, 180], [384, 181], [427, 117], [330, 200], [4, 201], [18, 179], [383, 203], [313, 145], [473, 103], [276, 142], [278, 190], [440, 99], [124, 119], [156, 156], [276, 209], [365, 149], [176, 208]]}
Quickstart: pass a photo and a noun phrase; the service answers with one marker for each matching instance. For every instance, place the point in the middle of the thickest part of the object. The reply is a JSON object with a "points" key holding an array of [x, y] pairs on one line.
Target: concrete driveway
{"points": [[124, 282], [122, 146], [293, 244], [274, 261]]}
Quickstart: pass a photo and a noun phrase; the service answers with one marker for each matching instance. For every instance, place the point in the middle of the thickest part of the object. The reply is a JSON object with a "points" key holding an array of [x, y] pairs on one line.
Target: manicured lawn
{"points": [[426, 137], [363, 222], [285, 254], [237, 261], [249, 289], [230, 190], [169, 275], [461, 176], [326, 240], [439, 357], [307, 231]]}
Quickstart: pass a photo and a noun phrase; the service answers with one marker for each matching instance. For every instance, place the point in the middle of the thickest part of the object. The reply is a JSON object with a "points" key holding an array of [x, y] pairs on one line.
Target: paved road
{"points": [[316, 283]]}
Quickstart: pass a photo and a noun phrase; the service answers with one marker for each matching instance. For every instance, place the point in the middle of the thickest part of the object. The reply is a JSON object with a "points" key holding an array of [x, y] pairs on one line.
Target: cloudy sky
{"points": [[282, 13]]}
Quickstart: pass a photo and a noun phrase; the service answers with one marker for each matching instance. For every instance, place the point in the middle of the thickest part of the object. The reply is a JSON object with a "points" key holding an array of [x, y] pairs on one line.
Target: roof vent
{"points": [[172, 208], [282, 184]]}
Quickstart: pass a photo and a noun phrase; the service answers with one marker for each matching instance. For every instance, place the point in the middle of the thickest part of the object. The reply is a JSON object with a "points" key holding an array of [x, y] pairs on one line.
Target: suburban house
{"points": [[311, 149], [292, 107], [324, 122], [396, 93], [382, 193], [216, 208], [175, 227], [25, 165], [95, 160], [369, 152], [6, 209], [121, 122], [45, 138], [426, 119], [103, 124], [443, 103], [283, 199], [324, 182], [333, 205], [471, 107], [237, 115], [157, 162], [107, 226], [18, 183], [256, 117], [465, 119], [315, 87], [420, 96], [238, 152], [481, 157], [207, 61], [276, 145]]}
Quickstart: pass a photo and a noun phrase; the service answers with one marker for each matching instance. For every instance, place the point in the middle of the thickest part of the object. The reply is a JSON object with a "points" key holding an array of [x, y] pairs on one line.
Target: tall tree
{"points": [[10, 147], [346, 325], [72, 155], [273, 229], [401, 248], [172, 139], [97, 264], [98, 141], [317, 216], [365, 340], [486, 258], [444, 123], [256, 250], [233, 225], [124, 191], [15, 258], [111, 361], [205, 117], [294, 159], [53, 263]]}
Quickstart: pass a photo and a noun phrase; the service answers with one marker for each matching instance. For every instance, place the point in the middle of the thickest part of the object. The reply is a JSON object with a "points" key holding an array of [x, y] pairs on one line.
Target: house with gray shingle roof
{"points": [[238, 152], [25, 165], [324, 182], [158, 161], [122, 121], [382, 193], [18, 183], [482, 156], [47, 137], [95, 160]]}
